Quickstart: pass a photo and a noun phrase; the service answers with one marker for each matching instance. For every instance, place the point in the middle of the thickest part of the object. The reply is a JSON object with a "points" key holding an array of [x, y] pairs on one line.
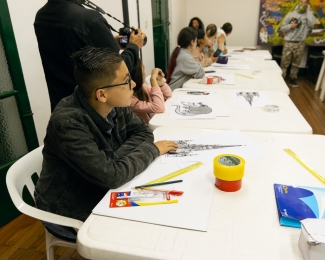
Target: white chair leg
{"points": [[49, 247], [320, 76]]}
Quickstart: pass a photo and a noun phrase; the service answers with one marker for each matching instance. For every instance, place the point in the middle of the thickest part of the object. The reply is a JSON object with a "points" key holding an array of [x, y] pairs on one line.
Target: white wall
{"points": [[243, 15], [178, 20]]}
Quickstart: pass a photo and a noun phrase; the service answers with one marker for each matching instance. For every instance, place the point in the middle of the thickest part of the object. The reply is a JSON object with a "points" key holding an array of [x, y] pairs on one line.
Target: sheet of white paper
{"points": [[194, 148], [190, 107], [239, 58], [250, 99], [231, 66], [226, 79], [216, 101], [192, 210]]}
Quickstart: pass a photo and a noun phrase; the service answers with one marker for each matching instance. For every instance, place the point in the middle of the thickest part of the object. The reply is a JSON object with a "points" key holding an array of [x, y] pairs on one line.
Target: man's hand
{"points": [[138, 38], [225, 51], [166, 146], [294, 25]]}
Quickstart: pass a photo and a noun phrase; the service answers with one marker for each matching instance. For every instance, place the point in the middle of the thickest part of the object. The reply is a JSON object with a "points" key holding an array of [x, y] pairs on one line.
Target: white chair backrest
{"points": [[19, 175]]}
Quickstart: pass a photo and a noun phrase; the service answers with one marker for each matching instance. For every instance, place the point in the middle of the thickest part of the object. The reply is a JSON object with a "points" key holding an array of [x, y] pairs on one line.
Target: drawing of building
{"points": [[186, 149]]}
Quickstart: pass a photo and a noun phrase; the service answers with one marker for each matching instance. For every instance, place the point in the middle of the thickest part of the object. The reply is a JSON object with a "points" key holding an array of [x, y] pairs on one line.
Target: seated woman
{"points": [[211, 32], [198, 52], [196, 23], [222, 34], [182, 66], [148, 100]]}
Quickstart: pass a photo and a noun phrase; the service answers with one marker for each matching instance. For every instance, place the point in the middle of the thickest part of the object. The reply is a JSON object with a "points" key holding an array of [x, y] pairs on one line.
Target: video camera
{"points": [[125, 32]]}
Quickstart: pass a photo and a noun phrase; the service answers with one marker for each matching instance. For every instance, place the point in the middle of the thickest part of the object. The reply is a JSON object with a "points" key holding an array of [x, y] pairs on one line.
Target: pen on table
{"points": [[157, 184], [188, 90], [244, 76]]}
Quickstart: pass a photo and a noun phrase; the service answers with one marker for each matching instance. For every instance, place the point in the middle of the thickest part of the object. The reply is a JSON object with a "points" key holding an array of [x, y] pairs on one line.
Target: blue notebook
{"points": [[296, 203]]}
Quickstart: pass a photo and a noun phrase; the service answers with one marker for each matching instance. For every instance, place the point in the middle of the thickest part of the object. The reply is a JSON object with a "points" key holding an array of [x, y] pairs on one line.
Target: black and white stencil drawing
{"points": [[208, 145], [192, 109], [185, 148], [248, 96]]}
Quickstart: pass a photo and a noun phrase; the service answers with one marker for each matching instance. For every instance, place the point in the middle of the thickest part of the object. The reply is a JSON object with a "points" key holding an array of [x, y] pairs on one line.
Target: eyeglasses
{"points": [[129, 81]]}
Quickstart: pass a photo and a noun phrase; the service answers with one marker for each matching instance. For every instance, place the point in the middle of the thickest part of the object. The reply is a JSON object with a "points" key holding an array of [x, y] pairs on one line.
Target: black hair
{"points": [[211, 29], [137, 77], [185, 36], [201, 25], [227, 27], [200, 35], [93, 64]]}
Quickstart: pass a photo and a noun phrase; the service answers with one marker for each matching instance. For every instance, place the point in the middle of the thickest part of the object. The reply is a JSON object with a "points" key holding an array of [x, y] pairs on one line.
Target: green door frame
{"points": [[21, 96]]}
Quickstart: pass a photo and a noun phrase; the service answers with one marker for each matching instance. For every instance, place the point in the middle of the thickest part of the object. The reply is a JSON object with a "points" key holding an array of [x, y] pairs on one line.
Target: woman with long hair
{"points": [[182, 66], [198, 52], [148, 100], [196, 23]]}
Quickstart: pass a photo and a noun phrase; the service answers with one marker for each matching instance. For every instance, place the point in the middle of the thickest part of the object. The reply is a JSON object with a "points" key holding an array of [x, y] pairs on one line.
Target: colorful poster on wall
{"points": [[273, 13]]}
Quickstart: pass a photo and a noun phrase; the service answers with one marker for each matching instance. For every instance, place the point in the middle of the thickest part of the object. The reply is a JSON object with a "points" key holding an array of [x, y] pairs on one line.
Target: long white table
{"points": [[263, 81], [265, 54], [255, 64], [287, 120], [243, 225]]}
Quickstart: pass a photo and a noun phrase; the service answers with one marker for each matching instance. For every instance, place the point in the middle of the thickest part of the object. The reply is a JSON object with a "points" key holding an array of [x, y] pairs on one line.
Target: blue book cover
{"points": [[296, 203]]}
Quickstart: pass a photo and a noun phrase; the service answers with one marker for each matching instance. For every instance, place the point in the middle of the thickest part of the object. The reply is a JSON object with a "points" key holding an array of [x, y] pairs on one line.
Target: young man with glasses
{"points": [[94, 142]]}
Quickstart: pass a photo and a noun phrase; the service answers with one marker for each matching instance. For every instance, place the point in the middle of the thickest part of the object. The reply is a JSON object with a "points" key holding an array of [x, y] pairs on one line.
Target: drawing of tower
{"points": [[186, 149], [248, 96]]}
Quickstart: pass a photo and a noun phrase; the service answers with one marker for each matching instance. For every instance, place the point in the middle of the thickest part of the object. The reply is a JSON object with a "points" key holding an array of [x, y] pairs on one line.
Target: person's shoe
{"points": [[293, 83]]}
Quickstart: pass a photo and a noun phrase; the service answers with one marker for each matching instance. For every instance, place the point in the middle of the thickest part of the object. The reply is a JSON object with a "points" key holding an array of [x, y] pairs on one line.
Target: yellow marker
{"points": [[177, 173], [244, 76], [149, 203], [310, 169]]}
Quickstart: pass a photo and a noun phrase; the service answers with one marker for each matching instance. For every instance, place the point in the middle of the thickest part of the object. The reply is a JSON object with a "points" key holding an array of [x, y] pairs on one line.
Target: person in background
{"points": [[222, 34], [295, 27], [148, 100], [198, 52], [182, 66], [196, 23], [63, 27], [94, 142]]}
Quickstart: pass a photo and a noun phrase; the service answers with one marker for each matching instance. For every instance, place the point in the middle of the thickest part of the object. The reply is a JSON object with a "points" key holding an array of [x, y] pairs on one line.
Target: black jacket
{"points": [[63, 27], [83, 159]]}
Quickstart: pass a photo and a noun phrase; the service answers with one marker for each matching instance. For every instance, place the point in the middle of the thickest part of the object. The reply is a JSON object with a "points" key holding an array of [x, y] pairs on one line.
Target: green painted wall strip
{"points": [[8, 94], [16, 73]]}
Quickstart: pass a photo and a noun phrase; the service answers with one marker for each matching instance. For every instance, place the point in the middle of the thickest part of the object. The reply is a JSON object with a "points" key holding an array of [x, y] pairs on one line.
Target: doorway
{"points": [[160, 22]]}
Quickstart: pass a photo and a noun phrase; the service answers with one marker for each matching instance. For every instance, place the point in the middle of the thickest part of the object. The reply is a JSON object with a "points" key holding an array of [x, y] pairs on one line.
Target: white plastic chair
{"points": [[18, 176]]}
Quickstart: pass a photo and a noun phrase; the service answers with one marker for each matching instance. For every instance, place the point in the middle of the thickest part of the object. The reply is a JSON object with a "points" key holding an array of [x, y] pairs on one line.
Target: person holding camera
{"points": [[295, 28], [63, 27], [198, 52]]}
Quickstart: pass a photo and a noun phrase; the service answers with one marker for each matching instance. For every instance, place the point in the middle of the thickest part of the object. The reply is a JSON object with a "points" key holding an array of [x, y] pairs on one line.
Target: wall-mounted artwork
{"points": [[273, 13]]}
